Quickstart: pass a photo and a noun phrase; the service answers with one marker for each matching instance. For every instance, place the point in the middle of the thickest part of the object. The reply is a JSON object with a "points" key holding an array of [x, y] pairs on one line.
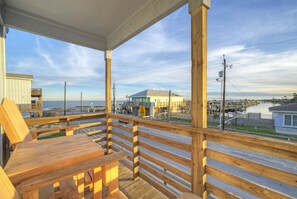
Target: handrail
{"points": [[153, 145], [250, 144]]}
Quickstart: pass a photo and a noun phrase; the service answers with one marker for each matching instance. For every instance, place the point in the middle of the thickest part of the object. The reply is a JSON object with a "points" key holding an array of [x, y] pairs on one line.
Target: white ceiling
{"points": [[98, 24]]}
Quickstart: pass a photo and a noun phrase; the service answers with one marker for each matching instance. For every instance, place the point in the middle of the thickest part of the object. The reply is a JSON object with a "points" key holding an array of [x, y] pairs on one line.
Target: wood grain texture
{"points": [[7, 190], [34, 158], [164, 177], [157, 185], [162, 140], [259, 169], [199, 95], [253, 188], [13, 123], [166, 166], [176, 158], [251, 146], [219, 192]]}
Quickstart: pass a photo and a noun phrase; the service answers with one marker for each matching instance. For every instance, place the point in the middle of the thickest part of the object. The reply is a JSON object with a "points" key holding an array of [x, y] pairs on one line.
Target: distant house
{"points": [[155, 101], [19, 89], [285, 118]]}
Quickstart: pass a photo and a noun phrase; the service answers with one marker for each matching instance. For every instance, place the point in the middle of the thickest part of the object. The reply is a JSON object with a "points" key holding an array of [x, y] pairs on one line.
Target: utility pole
{"points": [[168, 111], [224, 90], [221, 96], [114, 99], [81, 101], [65, 98]]}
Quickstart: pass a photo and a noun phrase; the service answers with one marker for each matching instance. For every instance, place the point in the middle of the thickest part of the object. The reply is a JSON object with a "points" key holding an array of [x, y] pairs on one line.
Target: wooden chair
{"points": [[17, 132], [24, 189], [15, 126]]}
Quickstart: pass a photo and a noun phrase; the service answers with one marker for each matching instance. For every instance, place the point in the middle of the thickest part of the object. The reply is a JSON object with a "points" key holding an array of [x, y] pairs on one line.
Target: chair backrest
{"points": [[13, 123], [7, 190]]}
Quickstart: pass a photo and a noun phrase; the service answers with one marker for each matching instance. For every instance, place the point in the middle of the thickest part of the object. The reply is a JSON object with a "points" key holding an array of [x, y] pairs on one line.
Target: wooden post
{"points": [[108, 56], [135, 155], [2, 84], [198, 10]]}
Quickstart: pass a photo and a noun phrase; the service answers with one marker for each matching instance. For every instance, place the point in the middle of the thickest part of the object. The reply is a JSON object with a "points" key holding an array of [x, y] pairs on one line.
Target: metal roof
{"points": [[21, 76], [98, 24], [292, 107], [150, 93]]}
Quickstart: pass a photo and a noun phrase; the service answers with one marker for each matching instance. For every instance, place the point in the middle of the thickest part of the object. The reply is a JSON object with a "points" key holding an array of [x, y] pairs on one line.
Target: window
{"points": [[294, 120], [290, 120]]}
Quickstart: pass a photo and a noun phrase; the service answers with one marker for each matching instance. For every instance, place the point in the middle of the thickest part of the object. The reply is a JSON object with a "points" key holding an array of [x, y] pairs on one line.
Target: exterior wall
{"points": [[19, 90], [279, 124], [165, 99]]}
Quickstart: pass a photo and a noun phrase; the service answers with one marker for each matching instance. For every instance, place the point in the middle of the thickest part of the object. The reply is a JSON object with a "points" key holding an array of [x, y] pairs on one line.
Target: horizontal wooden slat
{"points": [[164, 165], [124, 128], [124, 118], [163, 126], [122, 144], [257, 140], [219, 192], [96, 132], [253, 188], [259, 169], [88, 125], [166, 154], [56, 119], [253, 147], [157, 185], [117, 149], [164, 177], [171, 143], [100, 139], [113, 132]]}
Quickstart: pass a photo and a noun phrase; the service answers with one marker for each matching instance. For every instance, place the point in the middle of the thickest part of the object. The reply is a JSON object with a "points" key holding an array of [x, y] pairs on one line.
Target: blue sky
{"points": [[259, 38]]}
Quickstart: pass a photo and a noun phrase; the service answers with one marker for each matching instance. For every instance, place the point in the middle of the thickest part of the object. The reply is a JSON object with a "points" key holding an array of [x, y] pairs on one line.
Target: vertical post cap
{"points": [[193, 4], [108, 54]]}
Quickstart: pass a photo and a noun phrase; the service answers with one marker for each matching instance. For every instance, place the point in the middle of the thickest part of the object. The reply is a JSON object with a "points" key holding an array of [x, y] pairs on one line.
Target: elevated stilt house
{"points": [[106, 24]]}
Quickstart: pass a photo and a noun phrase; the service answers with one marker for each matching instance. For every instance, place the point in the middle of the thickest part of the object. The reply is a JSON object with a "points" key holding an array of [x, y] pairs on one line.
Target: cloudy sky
{"points": [[258, 37]]}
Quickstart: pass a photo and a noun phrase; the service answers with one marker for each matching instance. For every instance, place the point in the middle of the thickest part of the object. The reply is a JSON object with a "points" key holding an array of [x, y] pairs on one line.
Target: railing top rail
{"points": [[255, 139], [47, 120]]}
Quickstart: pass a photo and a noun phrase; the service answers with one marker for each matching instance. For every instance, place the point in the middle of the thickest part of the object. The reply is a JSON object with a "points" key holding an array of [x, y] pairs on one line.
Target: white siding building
{"points": [[18, 88]]}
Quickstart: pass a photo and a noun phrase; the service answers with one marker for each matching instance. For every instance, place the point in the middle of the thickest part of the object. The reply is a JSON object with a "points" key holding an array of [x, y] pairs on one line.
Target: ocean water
{"points": [[60, 104]]}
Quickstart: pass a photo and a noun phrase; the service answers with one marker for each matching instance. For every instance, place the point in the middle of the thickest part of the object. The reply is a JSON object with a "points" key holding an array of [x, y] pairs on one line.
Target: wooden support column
{"points": [[135, 155], [2, 86], [198, 10], [108, 56]]}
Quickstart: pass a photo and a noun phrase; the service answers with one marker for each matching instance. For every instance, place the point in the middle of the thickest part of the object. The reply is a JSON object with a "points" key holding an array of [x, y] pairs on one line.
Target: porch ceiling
{"points": [[98, 24]]}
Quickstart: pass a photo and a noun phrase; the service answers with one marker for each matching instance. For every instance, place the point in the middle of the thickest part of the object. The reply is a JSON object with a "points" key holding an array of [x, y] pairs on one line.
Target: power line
{"points": [[233, 85]]}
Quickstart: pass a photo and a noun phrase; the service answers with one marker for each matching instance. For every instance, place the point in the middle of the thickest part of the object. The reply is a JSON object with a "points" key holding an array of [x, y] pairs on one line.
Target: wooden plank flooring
{"points": [[138, 188]]}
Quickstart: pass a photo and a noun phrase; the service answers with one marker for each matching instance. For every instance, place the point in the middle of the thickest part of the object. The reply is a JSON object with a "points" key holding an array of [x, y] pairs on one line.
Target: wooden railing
{"points": [[94, 125], [165, 155], [236, 165]]}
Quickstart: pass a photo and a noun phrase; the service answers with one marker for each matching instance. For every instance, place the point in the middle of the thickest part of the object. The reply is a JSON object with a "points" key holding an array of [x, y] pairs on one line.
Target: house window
{"points": [[290, 120]]}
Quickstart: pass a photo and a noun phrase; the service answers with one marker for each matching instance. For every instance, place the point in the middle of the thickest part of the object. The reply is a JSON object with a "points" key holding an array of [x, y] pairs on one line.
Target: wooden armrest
{"points": [[52, 177]]}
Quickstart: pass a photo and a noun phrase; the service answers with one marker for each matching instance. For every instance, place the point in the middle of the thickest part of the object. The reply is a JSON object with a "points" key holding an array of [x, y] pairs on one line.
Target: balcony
{"points": [[36, 92], [166, 157]]}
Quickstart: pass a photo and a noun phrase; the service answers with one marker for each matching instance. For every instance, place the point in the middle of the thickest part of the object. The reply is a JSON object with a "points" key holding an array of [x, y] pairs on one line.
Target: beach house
{"points": [[155, 101], [19, 89], [163, 160], [285, 118]]}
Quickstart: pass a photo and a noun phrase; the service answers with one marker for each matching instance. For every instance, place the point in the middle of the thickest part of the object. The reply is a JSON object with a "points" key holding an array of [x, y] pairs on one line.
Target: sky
{"points": [[258, 37]]}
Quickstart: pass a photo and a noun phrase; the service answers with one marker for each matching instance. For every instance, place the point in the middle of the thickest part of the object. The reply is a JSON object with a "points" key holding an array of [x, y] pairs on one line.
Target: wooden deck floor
{"points": [[138, 188]]}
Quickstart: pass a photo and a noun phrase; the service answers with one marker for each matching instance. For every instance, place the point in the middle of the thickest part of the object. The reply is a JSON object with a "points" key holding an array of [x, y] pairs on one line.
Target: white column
{"points": [[2, 80]]}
